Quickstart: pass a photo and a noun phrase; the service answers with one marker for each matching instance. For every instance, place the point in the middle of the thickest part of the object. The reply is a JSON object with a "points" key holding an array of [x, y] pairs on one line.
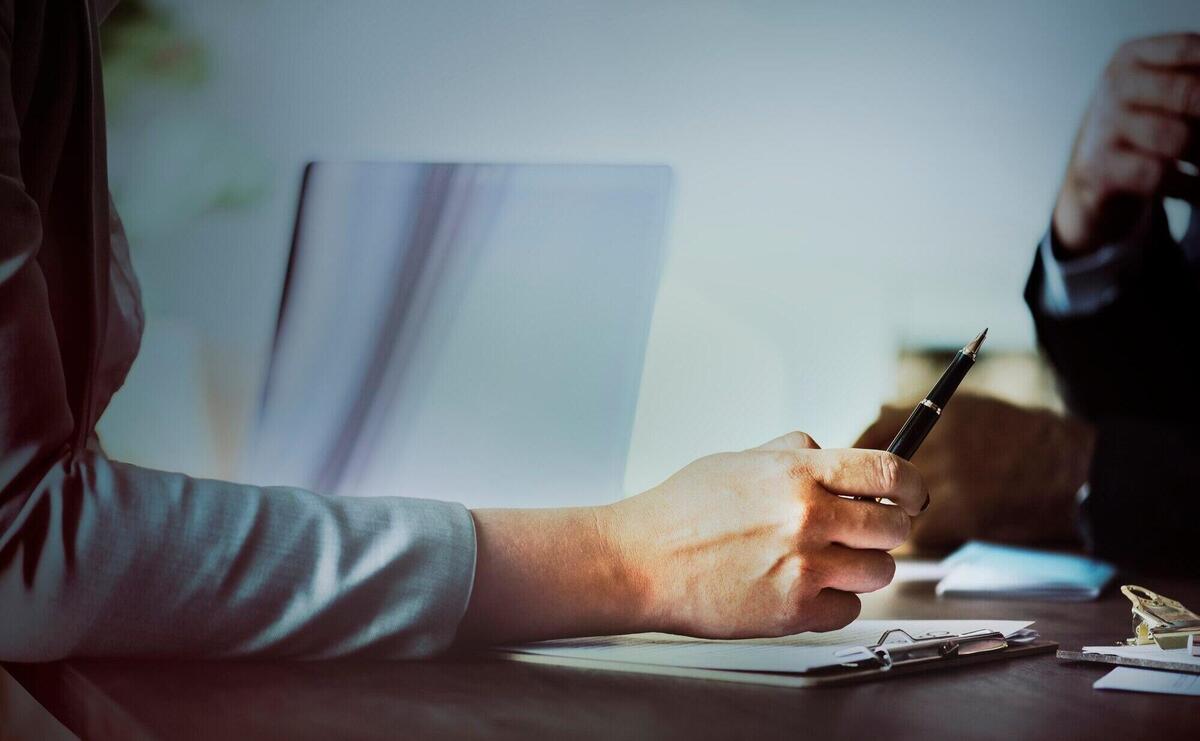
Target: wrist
{"points": [[550, 573], [1070, 232], [622, 549], [1083, 222]]}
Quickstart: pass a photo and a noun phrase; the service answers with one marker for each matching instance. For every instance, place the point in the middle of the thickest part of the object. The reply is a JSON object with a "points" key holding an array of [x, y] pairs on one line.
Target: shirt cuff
{"points": [[1080, 286], [441, 575]]}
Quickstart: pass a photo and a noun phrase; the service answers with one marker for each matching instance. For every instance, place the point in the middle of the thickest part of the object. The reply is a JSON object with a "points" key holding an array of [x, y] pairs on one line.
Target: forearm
{"points": [[549, 573]]}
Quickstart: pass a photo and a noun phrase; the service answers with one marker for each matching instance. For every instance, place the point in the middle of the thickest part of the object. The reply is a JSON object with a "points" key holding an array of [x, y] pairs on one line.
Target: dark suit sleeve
{"points": [[1127, 369]]}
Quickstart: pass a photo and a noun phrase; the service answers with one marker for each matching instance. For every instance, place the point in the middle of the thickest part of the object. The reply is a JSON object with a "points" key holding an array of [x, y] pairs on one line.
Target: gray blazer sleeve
{"points": [[99, 558]]}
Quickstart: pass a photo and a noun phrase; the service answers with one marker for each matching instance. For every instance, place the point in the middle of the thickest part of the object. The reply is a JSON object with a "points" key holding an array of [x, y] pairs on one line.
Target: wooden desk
{"points": [[1036, 697]]}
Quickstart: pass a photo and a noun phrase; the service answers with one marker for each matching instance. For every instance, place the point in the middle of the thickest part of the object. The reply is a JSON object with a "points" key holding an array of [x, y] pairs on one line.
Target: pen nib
{"points": [[972, 347]]}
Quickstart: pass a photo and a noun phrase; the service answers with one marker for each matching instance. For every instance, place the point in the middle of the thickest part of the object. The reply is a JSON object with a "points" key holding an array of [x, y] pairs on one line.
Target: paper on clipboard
{"points": [[796, 654]]}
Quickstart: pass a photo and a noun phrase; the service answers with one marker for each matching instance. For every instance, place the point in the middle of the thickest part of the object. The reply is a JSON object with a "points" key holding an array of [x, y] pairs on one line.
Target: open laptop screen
{"points": [[465, 332]]}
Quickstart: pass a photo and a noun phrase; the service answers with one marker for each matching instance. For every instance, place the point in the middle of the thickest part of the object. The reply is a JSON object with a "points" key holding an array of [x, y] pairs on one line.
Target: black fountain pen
{"points": [[926, 415]]}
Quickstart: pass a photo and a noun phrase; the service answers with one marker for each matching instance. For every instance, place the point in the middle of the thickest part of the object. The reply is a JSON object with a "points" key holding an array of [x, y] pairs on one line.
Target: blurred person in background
{"points": [[1116, 302], [101, 558]]}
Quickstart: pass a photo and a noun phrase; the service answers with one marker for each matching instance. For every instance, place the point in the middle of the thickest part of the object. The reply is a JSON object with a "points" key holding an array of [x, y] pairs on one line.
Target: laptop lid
{"points": [[471, 332]]}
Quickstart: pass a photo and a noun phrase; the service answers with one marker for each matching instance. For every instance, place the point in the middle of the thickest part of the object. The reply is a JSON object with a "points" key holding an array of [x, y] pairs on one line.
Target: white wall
{"points": [[851, 175]]}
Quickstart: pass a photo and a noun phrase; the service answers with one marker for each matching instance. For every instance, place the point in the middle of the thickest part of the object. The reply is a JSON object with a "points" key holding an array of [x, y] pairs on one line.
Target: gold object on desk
{"points": [[1159, 620]]}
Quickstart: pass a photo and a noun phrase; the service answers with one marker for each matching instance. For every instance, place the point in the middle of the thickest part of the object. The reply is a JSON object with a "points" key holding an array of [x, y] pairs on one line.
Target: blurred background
{"points": [[859, 186]]}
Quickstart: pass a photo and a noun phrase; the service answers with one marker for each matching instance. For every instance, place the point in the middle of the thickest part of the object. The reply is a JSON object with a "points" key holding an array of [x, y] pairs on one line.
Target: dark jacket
{"points": [[1130, 369]]}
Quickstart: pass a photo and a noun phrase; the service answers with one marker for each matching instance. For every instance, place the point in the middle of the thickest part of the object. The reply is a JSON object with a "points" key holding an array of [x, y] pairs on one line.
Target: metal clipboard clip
{"points": [[1160, 620], [897, 648]]}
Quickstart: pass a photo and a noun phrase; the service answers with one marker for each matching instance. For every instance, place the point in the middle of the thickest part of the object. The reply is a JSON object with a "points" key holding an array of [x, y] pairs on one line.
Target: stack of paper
{"points": [[760, 661], [1149, 680], [995, 571]]}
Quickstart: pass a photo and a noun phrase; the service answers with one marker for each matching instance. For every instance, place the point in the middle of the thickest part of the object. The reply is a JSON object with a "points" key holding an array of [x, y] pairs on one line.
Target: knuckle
{"points": [[810, 514], [1121, 58], [887, 472], [1112, 139], [1125, 52], [1171, 134], [1190, 95], [1149, 174], [1184, 48], [798, 439], [1178, 93], [894, 531], [798, 471], [808, 577]]}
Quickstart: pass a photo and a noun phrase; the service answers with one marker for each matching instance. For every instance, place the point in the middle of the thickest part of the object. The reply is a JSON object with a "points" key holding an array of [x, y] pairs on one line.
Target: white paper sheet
{"points": [[981, 569], [1131, 679], [796, 653]]}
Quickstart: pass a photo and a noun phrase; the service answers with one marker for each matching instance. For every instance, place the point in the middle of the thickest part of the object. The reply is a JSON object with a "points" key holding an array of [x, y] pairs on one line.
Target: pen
{"points": [[929, 410]]}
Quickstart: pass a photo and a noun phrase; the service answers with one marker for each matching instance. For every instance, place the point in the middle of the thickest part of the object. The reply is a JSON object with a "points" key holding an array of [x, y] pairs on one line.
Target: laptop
{"points": [[469, 332]]}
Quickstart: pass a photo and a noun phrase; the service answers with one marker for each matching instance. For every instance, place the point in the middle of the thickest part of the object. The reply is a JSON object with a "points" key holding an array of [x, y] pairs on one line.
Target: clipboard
{"points": [[929, 654], [896, 654]]}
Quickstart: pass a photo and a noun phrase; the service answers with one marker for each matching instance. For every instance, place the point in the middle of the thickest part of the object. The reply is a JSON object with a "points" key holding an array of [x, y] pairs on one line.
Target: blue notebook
{"points": [[993, 571]]}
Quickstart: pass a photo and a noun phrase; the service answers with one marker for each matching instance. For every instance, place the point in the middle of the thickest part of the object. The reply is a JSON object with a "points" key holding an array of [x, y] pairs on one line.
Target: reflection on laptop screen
{"points": [[465, 332]]}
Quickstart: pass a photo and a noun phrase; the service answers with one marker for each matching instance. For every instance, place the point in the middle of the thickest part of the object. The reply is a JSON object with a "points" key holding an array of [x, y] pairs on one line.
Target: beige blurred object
{"points": [[995, 471], [1004, 463], [1019, 376]]}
